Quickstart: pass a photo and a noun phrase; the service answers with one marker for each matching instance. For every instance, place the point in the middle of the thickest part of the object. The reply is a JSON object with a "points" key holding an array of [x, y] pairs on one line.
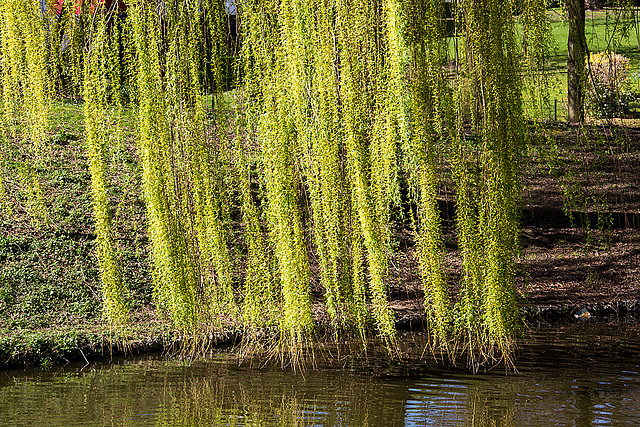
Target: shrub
{"points": [[607, 78]]}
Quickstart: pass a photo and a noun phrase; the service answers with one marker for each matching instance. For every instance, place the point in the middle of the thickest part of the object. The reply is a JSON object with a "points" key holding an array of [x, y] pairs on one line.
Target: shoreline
{"points": [[60, 347]]}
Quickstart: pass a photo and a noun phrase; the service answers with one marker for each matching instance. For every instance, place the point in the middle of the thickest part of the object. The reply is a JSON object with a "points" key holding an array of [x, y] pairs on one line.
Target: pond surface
{"points": [[580, 376]]}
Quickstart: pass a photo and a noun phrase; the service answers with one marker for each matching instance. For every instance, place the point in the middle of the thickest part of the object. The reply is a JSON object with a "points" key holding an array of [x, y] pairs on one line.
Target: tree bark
{"points": [[577, 53]]}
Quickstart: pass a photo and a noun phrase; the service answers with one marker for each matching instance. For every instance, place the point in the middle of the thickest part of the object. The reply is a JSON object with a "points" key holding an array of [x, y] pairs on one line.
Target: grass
{"points": [[49, 283], [604, 32]]}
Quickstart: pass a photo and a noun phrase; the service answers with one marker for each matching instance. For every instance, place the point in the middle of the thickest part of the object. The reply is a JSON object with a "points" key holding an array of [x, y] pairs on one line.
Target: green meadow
{"points": [[606, 30]]}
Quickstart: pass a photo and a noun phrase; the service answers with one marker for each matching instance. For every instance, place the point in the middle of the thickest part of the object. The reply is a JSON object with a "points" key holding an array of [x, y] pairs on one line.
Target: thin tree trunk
{"points": [[577, 50]]}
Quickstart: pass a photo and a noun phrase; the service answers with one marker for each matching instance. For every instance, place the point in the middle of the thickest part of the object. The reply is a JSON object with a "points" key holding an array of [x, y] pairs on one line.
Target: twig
{"points": [[83, 356]]}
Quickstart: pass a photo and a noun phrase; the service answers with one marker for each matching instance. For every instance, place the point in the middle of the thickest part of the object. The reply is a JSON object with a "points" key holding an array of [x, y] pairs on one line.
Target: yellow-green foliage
{"points": [[361, 63], [536, 49], [182, 166], [154, 150], [313, 66], [334, 94], [13, 62], [489, 228], [259, 308], [100, 130], [339, 101], [35, 81], [322, 121], [69, 32], [312, 93], [278, 145], [430, 102], [5, 204], [25, 92], [262, 296]]}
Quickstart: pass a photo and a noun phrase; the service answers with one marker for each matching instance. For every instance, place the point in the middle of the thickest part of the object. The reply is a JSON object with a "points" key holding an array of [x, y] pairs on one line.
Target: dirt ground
{"points": [[593, 254], [580, 226]]}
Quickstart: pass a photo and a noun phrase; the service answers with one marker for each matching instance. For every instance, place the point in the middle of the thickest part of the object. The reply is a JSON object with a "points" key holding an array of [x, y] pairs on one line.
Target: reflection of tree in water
{"points": [[337, 398], [203, 402], [283, 399], [557, 384], [485, 410], [207, 402]]}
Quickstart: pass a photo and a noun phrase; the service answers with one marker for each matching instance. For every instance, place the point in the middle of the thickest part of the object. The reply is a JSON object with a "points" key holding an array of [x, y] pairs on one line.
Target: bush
{"points": [[607, 83]]}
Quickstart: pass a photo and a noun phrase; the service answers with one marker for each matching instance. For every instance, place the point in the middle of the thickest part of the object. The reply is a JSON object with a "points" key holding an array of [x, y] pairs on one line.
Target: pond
{"points": [[574, 376]]}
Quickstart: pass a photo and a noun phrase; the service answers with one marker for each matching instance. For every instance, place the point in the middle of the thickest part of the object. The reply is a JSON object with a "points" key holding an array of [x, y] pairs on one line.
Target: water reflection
{"points": [[577, 379], [204, 403]]}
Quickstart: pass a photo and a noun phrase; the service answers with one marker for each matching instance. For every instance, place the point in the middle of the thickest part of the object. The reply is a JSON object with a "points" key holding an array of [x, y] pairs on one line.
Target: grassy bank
{"points": [[49, 285]]}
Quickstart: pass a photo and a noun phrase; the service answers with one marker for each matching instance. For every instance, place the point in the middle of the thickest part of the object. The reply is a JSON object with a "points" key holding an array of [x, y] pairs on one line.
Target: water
{"points": [[568, 377]]}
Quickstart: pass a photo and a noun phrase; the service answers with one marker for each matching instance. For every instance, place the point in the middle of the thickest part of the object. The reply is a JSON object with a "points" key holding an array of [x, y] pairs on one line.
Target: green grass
{"points": [[603, 30], [49, 279]]}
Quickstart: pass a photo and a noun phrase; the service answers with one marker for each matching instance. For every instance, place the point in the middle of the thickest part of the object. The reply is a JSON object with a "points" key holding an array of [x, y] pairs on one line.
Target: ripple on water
{"points": [[568, 377]]}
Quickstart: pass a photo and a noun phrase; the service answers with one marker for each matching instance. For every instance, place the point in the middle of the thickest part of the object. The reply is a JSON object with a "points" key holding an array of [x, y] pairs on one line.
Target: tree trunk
{"points": [[577, 50]]}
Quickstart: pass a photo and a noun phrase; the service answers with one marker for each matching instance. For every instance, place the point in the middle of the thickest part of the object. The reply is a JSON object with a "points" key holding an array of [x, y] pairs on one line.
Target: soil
{"points": [[593, 255], [580, 240]]}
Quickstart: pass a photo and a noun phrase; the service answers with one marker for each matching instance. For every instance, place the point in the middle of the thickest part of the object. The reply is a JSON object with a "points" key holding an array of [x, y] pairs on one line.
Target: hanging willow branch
{"points": [[185, 194], [26, 93], [429, 100], [362, 61], [98, 92], [489, 245]]}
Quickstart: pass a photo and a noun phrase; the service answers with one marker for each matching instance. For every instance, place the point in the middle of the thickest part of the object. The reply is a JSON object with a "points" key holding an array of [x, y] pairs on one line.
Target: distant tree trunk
{"points": [[577, 49]]}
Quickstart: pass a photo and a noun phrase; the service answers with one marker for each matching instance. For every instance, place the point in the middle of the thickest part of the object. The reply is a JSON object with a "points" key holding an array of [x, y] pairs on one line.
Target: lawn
{"points": [[606, 30]]}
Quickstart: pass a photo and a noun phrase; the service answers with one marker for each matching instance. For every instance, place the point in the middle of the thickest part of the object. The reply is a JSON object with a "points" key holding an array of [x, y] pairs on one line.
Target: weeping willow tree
{"points": [[488, 198], [102, 109], [280, 170], [260, 302], [182, 163], [340, 97], [316, 125], [362, 91], [430, 105], [342, 91], [340, 101]]}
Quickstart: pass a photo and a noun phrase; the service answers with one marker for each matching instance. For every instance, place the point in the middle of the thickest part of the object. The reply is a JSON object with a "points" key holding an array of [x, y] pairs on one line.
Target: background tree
{"points": [[577, 52]]}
